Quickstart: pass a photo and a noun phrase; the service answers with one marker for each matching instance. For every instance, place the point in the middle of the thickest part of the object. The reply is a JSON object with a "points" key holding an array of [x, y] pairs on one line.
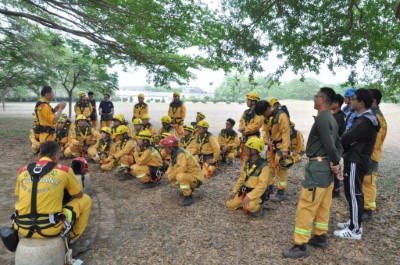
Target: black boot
{"points": [[319, 241], [187, 201], [297, 251], [149, 185], [367, 215], [280, 196], [336, 193]]}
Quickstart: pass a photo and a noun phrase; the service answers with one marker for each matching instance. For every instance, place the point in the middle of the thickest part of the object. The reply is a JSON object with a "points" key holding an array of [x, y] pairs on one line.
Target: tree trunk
{"points": [[70, 103], [3, 102]]}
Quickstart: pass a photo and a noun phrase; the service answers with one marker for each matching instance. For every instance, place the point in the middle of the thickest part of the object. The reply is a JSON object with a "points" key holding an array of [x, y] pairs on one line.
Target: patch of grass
{"points": [[10, 127]]}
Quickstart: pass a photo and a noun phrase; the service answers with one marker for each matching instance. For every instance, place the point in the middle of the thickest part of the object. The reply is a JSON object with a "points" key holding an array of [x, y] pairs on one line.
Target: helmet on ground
{"points": [[119, 117], [170, 141], [144, 135], [201, 115], [141, 95], [203, 124], [350, 92], [105, 130], [80, 117], [81, 94], [121, 130], [80, 166], [272, 101], [253, 95], [255, 143], [61, 120], [188, 128], [166, 119], [176, 93], [286, 163], [165, 135], [145, 117], [137, 121]]}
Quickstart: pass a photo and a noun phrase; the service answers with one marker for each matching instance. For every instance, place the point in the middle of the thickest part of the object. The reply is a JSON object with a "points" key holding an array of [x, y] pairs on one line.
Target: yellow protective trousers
{"points": [[369, 187], [141, 172], [236, 202], [186, 183], [312, 214], [126, 160], [209, 170], [76, 151], [280, 173]]}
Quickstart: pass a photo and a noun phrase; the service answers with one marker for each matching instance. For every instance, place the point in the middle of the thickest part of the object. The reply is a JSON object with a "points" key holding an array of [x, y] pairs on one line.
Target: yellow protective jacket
{"points": [[135, 134], [189, 145], [83, 107], [149, 156], [124, 147], [152, 130], [183, 162], [45, 113], [380, 137], [208, 145], [106, 148], [280, 130], [77, 136], [165, 157], [297, 141], [113, 129], [62, 135], [170, 129], [250, 122], [228, 138], [254, 175], [177, 110], [34, 137], [139, 110], [266, 130]]}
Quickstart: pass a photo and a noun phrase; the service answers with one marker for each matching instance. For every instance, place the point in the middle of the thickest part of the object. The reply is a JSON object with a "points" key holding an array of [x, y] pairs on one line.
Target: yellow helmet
{"points": [[165, 134], [176, 93], [166, 119], [144, 135], [121, 129], [286, 163], [61, 120], [203, 124], [140, 95], [80, 117], [255, 143], [145, 117], [201, 115], [272, 101], [137, 121], [188, 128], [105, 130], [119, 117], [81, 93], [64, 115], [253, 95]]}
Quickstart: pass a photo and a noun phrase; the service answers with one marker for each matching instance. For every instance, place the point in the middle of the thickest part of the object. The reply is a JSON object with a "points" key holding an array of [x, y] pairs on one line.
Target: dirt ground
{"points": [[149, 227]]}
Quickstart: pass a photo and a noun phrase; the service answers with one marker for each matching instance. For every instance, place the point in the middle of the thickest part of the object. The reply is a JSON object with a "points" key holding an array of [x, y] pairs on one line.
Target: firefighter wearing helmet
{"points": [[177, 113], [118, 120], [62, 132], [251, 189], [107, 147], [209, 149], [188, 141], [140, 108], [83, 105], [147, 162], [148, 126], [82, 137], [250, 123], [124, 150], [166, 127], [137, 127], [183, 171]]}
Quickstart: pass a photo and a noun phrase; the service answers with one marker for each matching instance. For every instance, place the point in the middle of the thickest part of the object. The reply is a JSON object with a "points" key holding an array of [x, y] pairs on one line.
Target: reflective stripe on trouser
{"points": [[44, 137], [105, 124], [141, 172], [236, 202], [186, 182], [81, 208], [208, 171], [312, 216], [281, 174]]}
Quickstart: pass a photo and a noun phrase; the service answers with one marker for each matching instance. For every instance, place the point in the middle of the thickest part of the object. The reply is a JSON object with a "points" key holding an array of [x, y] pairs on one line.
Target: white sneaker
{"points": [[347, 233], [346, 225]]}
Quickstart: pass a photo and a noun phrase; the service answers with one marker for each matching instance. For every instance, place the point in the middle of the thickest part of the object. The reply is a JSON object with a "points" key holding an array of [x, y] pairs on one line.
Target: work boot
{"points": [[149, 185], [280, 196], [271, 189], [187, 201], [259, 213], [336, 193], [319, 241], [79, 247], [123, 177], [367, 215], [297, 251]]}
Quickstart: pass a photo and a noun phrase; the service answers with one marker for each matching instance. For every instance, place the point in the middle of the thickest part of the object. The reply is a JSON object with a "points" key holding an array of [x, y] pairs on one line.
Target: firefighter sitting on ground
{"points": [[81, 138], [166, 158], [123, 156], [184, 170], [251, 189], [229, 141], [34, 136], [209, 149], [188, 142], [140, 108], [107, 147], [177, 112], [67, 124], [83, 105], [62, 132], [147, 162], [166, 128], [147, 125], [297, 148], [199, 117], [137, 127], [117, 121]]}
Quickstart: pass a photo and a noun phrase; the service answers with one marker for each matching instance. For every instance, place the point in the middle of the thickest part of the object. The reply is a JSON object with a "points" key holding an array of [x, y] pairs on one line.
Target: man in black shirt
{"points": [[93, 116], [106, 111]]}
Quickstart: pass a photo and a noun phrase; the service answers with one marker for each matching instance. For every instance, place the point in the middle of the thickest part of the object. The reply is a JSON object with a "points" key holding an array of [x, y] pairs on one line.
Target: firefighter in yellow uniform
{"points": [[369, 182], [83, 106], [166, 158], [147, 162], [250, 123], [137, 127], [34, 136], [166, 128], [117, 121], [297, 148], [229, 141], [67, 124], [251, 189], [49, 197], [177, 112], [47, 116], [62, 132], [184, 170], [209, 149], [105, 148], [141, 108], [123, 156], [188, 142], [199, 117], [148, 126]]}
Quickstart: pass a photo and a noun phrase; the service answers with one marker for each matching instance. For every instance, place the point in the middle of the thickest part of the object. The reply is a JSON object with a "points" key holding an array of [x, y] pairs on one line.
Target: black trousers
{"points": [[353, 179]]}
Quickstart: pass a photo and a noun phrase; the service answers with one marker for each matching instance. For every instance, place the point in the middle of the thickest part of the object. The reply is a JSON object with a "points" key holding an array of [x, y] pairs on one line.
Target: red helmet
{"points": [[80, 166], [170, 141]]}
